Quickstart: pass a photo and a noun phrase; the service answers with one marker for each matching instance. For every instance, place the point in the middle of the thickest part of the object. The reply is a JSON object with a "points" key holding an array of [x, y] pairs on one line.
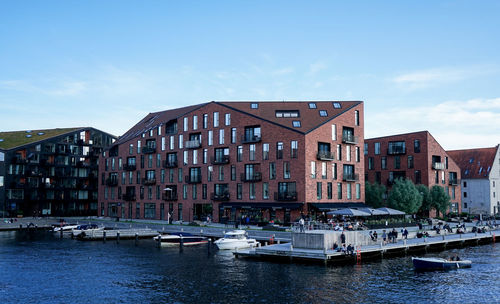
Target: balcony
{"points": [[255, 177], [128, 197], [112, 182], [131, 167], [454, 182], [285, 196], [349, 139], [438, 166], [219, 196], [170, 163], [250, 139], [149, 181], [192, 144], [325, 155], [193, 179], [352, 177], [396, 150], [82, 164], [224, 159], [148, 150], [169, 196]]}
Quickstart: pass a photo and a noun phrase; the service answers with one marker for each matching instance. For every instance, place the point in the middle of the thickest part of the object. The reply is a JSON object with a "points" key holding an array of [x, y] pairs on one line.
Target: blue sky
{"points": [[417, 65]]}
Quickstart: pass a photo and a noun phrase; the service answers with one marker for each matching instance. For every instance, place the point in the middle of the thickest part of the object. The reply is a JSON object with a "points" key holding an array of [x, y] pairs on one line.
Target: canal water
{"points": [[38, 267]]}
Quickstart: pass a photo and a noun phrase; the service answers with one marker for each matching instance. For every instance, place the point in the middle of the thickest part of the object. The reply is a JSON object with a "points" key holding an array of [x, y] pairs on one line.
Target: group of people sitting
{"points": [[347, 250]]}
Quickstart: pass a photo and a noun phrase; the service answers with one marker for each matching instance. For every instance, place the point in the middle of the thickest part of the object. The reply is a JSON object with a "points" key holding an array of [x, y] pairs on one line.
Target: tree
{"points": [[440, 199], [426, 198], [404, 196], [374, 194]]}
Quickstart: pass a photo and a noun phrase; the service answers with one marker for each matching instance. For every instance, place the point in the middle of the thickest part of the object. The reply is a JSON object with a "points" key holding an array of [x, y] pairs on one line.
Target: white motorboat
{"points": [[83, 230], [236, 239], [439, 263], [175, 239], [66, 228]]}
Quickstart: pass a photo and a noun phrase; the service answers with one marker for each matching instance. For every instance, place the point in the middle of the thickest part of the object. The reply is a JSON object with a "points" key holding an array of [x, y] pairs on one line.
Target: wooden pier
{"points": [[117, 234], [370, 252]]}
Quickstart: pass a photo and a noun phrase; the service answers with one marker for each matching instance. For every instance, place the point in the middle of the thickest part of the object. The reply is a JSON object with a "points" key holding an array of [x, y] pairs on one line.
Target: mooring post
{"points": [[104, 236], [136, 238], [118, 237], [209, 244], [61, 232], [181, 245], [158, 241]]}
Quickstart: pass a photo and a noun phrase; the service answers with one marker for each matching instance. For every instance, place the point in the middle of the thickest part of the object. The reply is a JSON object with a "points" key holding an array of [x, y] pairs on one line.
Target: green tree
{"points": [[404, 196], [426, 198], [374, 194], [440, 199]]}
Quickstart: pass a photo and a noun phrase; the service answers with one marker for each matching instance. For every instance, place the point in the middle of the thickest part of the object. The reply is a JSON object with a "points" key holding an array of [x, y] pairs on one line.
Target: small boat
{"points": [[174, 239], [236, 239], [439, 263], [85, 229], [65, 228]]}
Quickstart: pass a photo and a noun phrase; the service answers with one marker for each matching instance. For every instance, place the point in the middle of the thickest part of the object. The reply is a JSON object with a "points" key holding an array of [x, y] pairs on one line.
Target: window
{"points": [[358, 157], [279, 150], [336, 105], [210, 171], [349, 195], [205, 121], [384, 162], [131, 149], [286, 170], [356, 118], [265, 190], [294, 149], [334, 171], [465, 184], [312, 105], [339, 152], [210, 137], [334, 132], [216, 119], [410, 161], [239, 154], [323, 113], [239, 191], [205, 155], [233, 172], [313, 169], [227, 119], [204, 191], [265, 151], [465, 194], [179, 175], [329, 190], [377, 148], [251, 191], [396, 147], [254, 105], [251, 154], [287, 114], [163, 144], [172, 142], [185, 125], [370, 163], [418, 177], [348, 153], [319, 189], [181, 141], [221, 136], [324, 174], [416, 146], [339, 190], [296, 123], [397, 162], [186, 157], [272, 171], [366, 149], [221, 173], [233, 135], [195, 122], [195, 157]]}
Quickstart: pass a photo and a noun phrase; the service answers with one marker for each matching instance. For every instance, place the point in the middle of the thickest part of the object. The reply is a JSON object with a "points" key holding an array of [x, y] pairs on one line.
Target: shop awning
{"points": [[332, 206], [257, 205]]}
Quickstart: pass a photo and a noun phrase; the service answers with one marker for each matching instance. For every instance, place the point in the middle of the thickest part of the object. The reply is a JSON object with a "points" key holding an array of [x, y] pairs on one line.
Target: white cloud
{"points": [[316, 67], [455, 124]]}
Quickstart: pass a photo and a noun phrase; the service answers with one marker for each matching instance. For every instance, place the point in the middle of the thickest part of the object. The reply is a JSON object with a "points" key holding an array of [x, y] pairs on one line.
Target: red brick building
{"points": [[264, 160], [416, 156]]}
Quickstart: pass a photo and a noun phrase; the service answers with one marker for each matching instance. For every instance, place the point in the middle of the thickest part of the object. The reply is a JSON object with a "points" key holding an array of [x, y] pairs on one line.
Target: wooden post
{"points": [[136, 238], [104, 236], [158, 241], [118, 237], [181, 245]]}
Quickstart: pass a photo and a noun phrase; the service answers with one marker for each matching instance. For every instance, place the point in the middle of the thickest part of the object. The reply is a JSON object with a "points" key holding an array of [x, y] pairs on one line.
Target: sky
{"points": [[417, 65]]}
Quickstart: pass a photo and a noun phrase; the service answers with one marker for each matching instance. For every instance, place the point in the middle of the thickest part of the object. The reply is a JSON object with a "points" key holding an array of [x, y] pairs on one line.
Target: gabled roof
{"points": [[153, 120], [309, 118], [474, 163], [13, 139], [399, 135]]}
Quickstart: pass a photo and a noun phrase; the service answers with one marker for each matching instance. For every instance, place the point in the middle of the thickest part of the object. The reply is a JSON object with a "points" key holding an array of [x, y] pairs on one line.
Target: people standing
{"points": [[342, 238], [301, 224], [384, 236]]}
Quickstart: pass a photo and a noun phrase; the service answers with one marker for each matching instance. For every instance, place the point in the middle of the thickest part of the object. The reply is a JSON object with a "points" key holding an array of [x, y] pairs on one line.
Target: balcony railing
{"points": [[396, 150], [169, 196], [148, 150], [438, 166], [111, 182], [170, 163], [220, 160], [285, 196], [149, 181], [128, 167], [250, 139], [352, 177], [219, 196], [128, 197], [453, 182], [192, 144], [193, 179], [349, 139], [255, 177], [325, 155]]}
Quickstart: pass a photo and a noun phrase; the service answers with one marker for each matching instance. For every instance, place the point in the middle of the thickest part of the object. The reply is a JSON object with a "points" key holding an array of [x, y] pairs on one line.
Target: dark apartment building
{"points": [[262, 160], [416, 156], [50, 172]]}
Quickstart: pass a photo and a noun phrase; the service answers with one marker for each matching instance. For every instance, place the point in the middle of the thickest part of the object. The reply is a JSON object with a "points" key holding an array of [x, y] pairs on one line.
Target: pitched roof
{"points": [[13, 139], [399, 135], [474, 163], [308, 115], [154, 120]]}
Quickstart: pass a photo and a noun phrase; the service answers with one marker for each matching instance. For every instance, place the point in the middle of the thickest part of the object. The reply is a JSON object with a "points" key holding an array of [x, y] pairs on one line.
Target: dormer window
{"points": [[323, 113], [286, 114], [337, 105], [296, 123], [312, 105], [254, 105]]}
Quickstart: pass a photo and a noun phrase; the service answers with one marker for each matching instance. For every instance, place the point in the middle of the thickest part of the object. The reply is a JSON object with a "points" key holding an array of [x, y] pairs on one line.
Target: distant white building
{"points": [[480, 179]]}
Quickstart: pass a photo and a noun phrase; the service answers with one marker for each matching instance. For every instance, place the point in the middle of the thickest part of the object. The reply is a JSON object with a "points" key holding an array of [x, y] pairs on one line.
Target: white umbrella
{"points": [[349, 211], [374, 211], [391, 211]]}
